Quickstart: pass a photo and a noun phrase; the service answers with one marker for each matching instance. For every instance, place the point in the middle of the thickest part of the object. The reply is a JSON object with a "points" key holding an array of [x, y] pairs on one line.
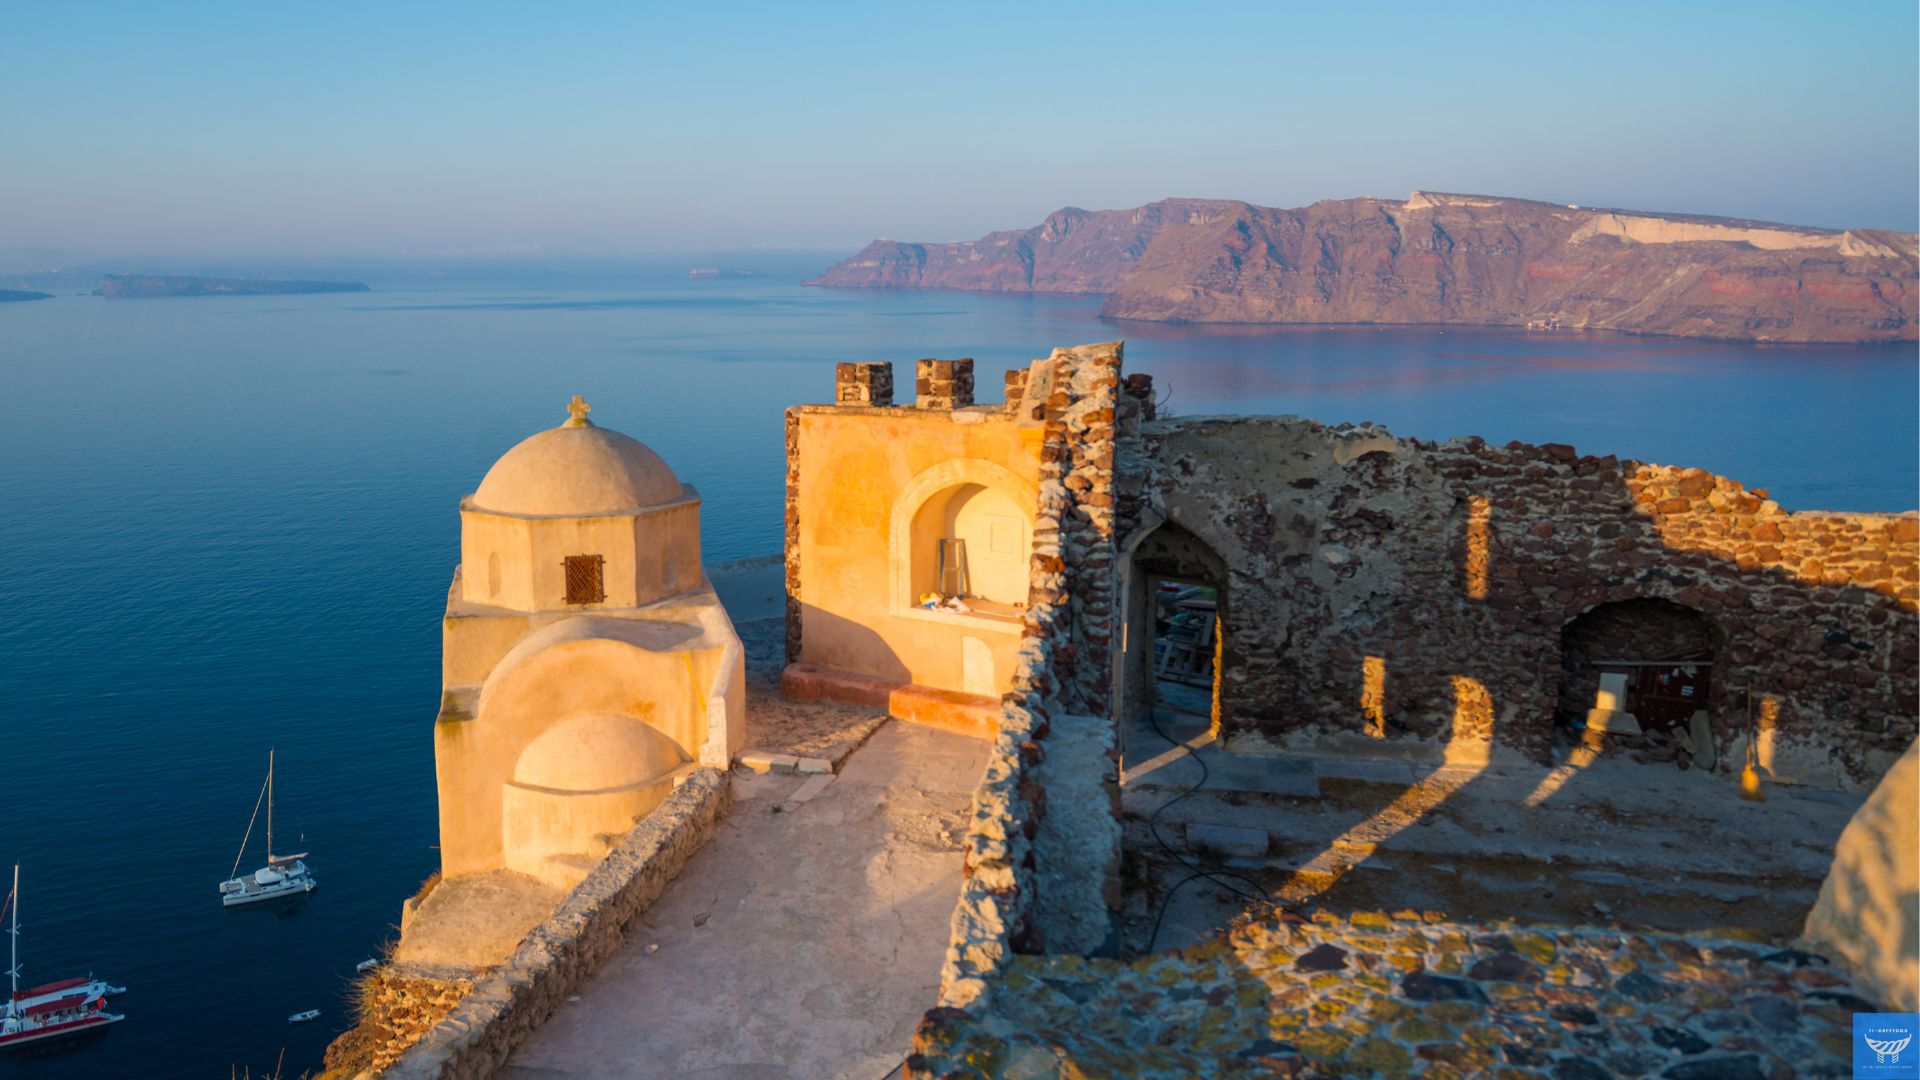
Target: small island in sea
{"points": [[724, 272], [146, 285], [9, 295]]}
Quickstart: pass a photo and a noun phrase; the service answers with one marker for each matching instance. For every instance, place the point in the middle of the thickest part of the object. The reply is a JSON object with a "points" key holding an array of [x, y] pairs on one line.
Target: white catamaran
{"points": [[284, 875], [55, 1009]]}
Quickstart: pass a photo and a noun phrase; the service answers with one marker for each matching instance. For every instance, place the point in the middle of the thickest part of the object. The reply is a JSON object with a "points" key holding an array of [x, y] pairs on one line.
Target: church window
{"points": [[585, 584]]}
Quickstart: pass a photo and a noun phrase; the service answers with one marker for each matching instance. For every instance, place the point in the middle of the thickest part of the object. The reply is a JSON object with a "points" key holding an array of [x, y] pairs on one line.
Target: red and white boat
{"points": [[52, 1010]]}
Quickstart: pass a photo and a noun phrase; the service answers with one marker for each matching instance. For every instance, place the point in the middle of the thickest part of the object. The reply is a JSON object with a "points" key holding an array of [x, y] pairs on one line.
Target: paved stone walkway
{"points": [[1410, 994], [804, 940]]}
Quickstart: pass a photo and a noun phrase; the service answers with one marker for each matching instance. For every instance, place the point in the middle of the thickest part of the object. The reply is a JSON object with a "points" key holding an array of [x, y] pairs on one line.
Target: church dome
{"points": [[597, 753], [576, 470]]}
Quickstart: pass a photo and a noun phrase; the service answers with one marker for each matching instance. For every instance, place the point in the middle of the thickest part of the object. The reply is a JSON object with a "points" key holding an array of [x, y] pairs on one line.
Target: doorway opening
{"points": [[1177, 613], [1643, 673]]}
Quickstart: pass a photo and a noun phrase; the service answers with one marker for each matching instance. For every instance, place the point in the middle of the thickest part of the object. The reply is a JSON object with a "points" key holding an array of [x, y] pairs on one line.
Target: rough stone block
{"points": [[863, 384], [1613, 722], [943, 384], [810, 766], [759, 761]]}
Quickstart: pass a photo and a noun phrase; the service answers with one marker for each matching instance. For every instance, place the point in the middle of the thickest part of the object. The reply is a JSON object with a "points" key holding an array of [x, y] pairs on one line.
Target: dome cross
{"points": [[579, 408]]}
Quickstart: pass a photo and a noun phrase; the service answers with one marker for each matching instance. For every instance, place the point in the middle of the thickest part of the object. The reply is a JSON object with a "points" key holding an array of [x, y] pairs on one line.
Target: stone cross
{"points": [[579, 408]]}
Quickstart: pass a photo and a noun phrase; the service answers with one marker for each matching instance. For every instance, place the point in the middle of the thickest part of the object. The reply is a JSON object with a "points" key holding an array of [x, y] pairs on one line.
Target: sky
{"points": [[445, 130]]}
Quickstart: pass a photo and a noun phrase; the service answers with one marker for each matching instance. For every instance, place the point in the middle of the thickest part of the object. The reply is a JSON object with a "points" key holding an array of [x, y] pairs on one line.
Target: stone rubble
{"points": [[1408, 994]]}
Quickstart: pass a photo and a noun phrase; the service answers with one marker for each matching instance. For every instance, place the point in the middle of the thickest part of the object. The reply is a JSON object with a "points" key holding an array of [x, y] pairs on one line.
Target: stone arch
{"points": [[1166, 551], [1640, 667], [983, 502]]}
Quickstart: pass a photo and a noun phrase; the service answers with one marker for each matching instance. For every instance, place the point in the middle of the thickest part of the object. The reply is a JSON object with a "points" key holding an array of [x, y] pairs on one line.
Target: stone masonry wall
{"points": [[1035, 869], [503, 1007], [1388, 588], [395, 1011]]}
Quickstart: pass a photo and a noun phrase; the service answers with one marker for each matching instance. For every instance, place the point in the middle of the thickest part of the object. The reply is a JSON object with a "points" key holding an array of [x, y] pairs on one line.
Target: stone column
{"points": [[1016, 388], [944, 384], [863, 384]]}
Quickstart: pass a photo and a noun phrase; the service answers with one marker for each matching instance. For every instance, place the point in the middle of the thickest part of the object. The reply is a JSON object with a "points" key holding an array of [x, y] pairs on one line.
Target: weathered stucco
{"points": [[870, 490], [1869, 908], [565, 719]]}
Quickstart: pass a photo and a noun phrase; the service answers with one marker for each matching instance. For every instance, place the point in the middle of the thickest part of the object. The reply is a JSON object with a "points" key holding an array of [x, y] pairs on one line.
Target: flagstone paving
{"points": [[1410, 994]]}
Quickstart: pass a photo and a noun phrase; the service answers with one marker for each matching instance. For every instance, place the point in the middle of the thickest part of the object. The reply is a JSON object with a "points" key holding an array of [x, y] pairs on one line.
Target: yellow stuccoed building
{"points": [[587, 664]]}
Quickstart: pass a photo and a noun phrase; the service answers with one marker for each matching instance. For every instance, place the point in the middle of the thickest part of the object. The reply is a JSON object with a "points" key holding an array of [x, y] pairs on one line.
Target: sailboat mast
{"points": [[13, 933], [269, 806]]}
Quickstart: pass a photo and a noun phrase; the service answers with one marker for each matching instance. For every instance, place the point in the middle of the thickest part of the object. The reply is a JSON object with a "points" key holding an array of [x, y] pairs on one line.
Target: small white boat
{"points": [[284, 875], [365, 966], [303, 1017], [55, 1009]]}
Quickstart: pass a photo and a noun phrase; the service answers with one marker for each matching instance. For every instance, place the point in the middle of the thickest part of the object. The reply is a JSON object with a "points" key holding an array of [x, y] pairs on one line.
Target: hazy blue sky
{"points": [[324, 129]]}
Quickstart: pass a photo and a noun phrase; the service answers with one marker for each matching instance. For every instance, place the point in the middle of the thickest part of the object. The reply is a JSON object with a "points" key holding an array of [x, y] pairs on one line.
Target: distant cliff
{"points": [[145, 285], [1437, 258], [10, 295]]}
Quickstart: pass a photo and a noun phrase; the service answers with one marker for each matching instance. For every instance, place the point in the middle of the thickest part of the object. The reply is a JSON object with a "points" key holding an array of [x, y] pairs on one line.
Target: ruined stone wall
{"points": [[1387, 588], [1043, 840]]}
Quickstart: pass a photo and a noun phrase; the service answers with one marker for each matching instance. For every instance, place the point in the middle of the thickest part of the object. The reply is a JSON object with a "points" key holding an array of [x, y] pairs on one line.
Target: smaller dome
{"points": [[597, 753], [576, 470]]}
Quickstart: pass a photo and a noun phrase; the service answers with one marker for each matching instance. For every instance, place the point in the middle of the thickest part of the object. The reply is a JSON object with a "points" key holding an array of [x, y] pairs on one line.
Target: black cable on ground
{"points": [[1224, 877]]}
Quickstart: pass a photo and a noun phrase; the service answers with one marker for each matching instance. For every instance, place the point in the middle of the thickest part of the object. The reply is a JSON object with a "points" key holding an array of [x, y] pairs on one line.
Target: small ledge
{"points": [[993, 622]]}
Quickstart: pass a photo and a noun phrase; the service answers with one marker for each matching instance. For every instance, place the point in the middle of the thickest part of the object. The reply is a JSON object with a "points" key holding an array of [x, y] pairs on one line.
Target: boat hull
{"points": [[55, 1031], [264, 893]]}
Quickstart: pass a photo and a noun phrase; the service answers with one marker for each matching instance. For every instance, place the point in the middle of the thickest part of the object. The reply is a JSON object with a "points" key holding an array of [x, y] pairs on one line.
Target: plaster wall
{"points": [[858, 477], [676, 668], [517, 562], [1869, 907]]}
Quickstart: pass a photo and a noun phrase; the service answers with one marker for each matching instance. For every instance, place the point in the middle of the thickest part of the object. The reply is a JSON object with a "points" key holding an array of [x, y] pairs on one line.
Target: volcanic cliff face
{"points": [[1437, 258]]}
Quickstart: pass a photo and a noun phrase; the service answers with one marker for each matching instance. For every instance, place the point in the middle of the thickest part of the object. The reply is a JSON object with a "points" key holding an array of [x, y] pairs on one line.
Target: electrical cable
{"points": [[1224, 877]]}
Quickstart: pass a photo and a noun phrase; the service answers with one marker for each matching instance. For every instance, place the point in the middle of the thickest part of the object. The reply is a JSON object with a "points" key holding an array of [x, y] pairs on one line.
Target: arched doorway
{"points": [[1176, 605], [1641, 670]]}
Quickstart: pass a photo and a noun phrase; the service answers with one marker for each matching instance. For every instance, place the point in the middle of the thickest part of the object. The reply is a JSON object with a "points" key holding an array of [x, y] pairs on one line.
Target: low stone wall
{"points": [[396, 1009], [507, 1004], [1033, 870]]}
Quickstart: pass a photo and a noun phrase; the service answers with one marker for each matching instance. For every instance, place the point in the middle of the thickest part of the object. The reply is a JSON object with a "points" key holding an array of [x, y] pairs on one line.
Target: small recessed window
{"points": [[585, 583]]}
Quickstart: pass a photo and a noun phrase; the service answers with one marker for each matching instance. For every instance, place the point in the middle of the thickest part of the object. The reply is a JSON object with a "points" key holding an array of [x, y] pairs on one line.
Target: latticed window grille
{"points": [[585, 582]]}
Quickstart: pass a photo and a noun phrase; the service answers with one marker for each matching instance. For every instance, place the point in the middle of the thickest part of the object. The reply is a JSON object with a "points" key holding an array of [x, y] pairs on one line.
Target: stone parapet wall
{"points": [[1060, 679], [396, 1010], [475, 1039], [1395, 589]]}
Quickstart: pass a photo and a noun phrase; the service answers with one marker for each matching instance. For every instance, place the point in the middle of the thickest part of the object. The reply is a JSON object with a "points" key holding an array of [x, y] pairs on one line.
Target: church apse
{"points": [[587, 664]]}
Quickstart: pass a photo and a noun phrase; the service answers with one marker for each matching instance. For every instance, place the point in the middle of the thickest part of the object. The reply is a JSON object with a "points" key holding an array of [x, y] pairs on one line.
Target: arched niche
{"points": [[984, 504]]}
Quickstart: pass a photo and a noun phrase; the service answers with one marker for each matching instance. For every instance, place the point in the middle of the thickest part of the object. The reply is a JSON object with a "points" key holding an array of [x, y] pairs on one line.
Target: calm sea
{"points": [[228, 525]]}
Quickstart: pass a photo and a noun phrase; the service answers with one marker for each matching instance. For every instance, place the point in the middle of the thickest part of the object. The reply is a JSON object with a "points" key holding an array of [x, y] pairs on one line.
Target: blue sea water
{"points": [[228, 524]]}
